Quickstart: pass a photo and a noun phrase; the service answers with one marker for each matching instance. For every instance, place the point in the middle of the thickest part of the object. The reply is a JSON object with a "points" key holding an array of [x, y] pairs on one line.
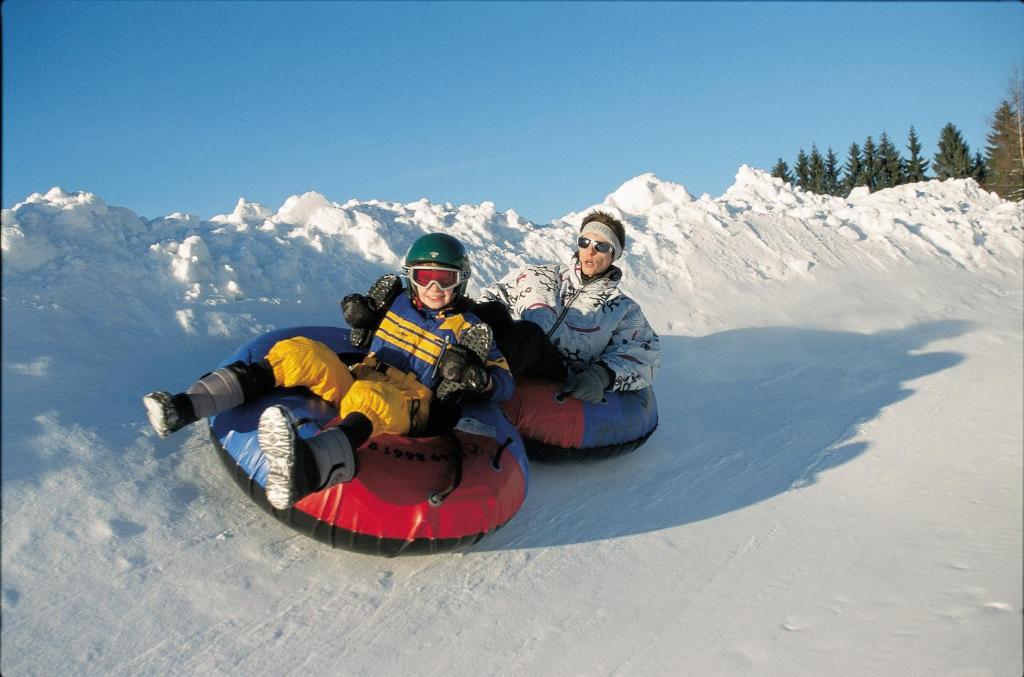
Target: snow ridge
{"points": [[760, 230]]}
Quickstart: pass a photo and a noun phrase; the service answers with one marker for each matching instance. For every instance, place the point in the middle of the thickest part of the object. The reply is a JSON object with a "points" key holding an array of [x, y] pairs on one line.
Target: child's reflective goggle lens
{"points": [[603, 247], [444, 278]]}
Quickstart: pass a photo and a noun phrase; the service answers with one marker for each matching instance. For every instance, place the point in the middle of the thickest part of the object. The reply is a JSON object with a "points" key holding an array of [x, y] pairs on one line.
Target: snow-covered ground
{"points": [[835, 487]]}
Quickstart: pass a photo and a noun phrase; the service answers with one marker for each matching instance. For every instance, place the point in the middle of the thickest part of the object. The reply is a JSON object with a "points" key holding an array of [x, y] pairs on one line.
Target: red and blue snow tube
{"points": [[558, 429], [413, 495]]}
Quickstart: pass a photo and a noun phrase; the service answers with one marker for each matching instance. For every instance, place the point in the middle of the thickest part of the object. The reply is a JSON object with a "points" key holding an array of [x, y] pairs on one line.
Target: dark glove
{"points": [[462, 366], [589, 385], [364, 313], [357, 312]]}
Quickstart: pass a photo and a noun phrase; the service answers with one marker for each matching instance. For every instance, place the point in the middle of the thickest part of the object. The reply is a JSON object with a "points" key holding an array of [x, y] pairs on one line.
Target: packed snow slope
{"points": [[835, 486]]}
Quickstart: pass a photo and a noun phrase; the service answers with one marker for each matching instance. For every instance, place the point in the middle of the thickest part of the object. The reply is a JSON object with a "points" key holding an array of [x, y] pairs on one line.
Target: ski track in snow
{"points": [[835, 485]]}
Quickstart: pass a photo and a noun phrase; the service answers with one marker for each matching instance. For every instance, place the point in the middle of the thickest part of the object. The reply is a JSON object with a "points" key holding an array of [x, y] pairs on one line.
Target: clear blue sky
{"points": [[543, 107]]}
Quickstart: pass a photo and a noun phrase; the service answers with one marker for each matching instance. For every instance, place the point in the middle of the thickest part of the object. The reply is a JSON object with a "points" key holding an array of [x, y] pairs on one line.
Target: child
{"points": [[425, 340]]}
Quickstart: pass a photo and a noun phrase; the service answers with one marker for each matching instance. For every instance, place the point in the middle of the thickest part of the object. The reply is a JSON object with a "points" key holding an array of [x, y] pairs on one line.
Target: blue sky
{"points": [[543, 107]]}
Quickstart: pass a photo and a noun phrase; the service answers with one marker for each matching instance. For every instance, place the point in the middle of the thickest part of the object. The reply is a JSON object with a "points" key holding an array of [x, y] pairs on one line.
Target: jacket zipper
{"points": [[444, 349], [565, 311]]}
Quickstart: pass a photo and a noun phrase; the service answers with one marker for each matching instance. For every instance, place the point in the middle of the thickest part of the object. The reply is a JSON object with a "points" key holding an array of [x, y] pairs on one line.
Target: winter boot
{"points": [[299, 467], [230, 386], [383, 291], [213, 393], [168, 413], [478, 340]]}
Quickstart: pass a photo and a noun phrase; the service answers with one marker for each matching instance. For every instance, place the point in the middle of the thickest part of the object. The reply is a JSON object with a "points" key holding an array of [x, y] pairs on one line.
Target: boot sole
{"points": [[277, 442], [157, 405], [478, 339]]}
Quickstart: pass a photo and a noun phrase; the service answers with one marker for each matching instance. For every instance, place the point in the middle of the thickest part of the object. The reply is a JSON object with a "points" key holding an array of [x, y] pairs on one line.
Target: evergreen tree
{"points": [[802, 170], [830, 184], [890, 164], [853, 168], [781, 171], [1004, 154], [817, 171], [869, 165], [953, 160], [979, 170], [916, 165]]}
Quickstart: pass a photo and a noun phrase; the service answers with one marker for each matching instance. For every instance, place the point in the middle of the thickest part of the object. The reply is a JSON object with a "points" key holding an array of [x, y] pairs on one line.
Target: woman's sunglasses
{"points": [[603, 247], [444, 278]]}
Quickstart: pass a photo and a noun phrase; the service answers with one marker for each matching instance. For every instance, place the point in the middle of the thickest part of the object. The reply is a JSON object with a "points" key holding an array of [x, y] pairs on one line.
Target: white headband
{"points": [[599, 228]]}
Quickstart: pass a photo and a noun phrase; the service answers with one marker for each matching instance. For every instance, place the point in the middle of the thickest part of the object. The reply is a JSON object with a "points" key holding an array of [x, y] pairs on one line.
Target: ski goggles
{"points": [[602, 247], [444, 278]]}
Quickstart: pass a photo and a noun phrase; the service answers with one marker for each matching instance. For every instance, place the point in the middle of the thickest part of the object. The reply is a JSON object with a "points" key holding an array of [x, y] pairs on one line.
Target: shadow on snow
{"points": [[750, 414]]}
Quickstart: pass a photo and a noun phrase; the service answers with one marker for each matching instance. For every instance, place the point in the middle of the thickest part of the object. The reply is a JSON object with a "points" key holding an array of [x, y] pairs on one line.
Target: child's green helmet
{"points": [[442, 249]]}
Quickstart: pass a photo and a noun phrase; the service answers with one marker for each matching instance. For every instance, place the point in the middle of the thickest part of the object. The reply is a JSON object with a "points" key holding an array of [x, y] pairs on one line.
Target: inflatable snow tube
{"points": [[559, 429], [413, 495]]}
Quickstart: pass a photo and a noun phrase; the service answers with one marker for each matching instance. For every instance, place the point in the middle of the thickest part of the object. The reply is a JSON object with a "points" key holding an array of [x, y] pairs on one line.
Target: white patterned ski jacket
{"points": [[588, 322]]}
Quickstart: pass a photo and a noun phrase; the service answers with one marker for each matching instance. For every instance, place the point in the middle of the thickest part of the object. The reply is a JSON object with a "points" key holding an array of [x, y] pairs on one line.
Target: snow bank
{"points": [[759, 227], [312, 248], [763, 230]]}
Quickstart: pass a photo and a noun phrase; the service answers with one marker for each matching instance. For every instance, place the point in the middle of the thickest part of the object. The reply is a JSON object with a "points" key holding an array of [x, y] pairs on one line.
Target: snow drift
{"points": [[312, 248]]}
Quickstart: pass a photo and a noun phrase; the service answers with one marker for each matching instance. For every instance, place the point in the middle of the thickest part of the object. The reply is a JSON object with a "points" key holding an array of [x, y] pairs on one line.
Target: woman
{"points": [[600, 332]]}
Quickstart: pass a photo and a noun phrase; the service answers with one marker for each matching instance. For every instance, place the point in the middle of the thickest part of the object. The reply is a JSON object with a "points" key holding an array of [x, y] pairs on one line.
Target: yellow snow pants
{"points": [[393, 400]]}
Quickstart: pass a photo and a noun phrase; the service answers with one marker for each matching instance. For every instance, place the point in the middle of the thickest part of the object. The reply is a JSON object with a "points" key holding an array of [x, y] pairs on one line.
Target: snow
{"points": [[835, 486]]}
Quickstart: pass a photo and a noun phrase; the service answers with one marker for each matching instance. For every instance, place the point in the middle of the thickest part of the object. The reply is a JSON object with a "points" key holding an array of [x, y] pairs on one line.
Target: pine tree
{"points": [[953, 160], [830, 184], [853, 168], [979, 170], [890, 164], [916, 165], [1004, 154], [869, 165], [817, 171], [781, 171], [802, 170]]}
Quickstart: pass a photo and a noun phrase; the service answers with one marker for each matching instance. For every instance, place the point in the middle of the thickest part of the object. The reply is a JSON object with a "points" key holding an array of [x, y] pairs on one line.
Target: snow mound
{"points": [[245, 213], [764, 229], [761, 230], [640, 195], [302, 209], [309, 249]]}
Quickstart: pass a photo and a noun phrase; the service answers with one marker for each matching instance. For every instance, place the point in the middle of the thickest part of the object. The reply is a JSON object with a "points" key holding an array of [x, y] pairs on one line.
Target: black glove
{"points": [[357, 312], [364, 313], [462, 366]]}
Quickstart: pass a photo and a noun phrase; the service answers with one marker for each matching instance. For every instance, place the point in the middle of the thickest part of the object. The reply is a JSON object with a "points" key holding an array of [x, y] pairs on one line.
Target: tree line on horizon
{"points": [[880, 164]]}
